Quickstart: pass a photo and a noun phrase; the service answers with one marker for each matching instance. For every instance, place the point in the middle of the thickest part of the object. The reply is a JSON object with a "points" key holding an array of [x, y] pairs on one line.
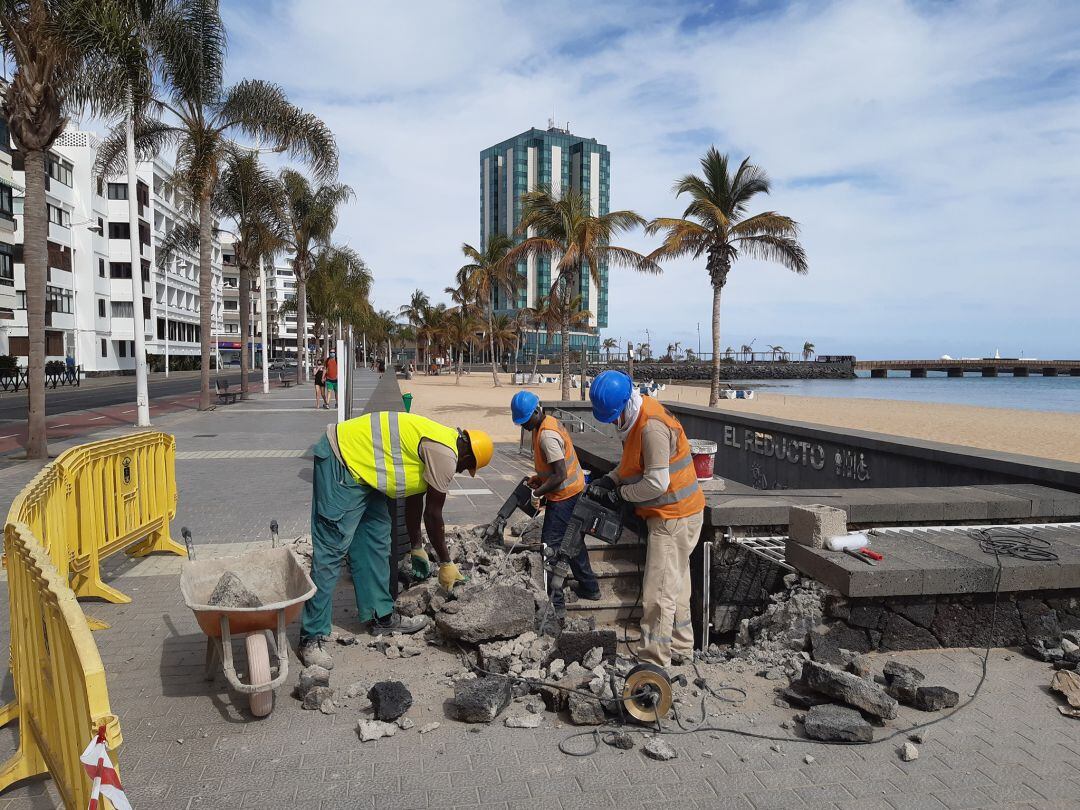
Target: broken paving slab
{"points": [[497, 612], [480, 700]]}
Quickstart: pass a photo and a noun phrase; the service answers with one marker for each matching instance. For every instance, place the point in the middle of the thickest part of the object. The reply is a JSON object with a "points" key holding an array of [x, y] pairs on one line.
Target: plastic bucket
{"points": [[704, 455], [406, 400]]}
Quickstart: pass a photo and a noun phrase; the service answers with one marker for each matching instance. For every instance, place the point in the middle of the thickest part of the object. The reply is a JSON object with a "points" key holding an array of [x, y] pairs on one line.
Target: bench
{"points": [[285, 381], [224, 395]]}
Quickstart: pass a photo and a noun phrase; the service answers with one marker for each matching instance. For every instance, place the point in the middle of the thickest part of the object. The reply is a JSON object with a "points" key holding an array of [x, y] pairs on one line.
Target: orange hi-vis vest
{"points": [[575, 476], [684, 496]]}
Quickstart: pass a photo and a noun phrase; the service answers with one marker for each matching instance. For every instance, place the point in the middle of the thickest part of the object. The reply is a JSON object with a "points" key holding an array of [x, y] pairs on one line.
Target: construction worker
{"points": [[559, 481], [656, 474], [359, 465]]}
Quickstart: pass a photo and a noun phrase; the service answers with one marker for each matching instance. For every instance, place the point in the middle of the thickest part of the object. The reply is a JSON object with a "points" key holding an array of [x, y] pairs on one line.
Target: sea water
{"points": [[1034, 393]]}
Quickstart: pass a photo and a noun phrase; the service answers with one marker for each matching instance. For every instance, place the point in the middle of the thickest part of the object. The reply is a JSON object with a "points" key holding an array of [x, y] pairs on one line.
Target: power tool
{"points": [[520, 498], [599, 513]]}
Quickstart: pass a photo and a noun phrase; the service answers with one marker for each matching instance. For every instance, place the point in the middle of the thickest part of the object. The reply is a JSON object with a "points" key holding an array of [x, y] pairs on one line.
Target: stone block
{"points": [[827, 642], [851, 689], [935, 698], [502, 611], [574, 645], [813, 524], [900, 634], [390, 699], [480, 700], [834, 723]]}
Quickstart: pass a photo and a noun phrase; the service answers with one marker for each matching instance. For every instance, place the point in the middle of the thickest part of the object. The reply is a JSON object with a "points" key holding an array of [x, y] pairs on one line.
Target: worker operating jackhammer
{"points": [[359, 465], [558, 482], [656, 474]]}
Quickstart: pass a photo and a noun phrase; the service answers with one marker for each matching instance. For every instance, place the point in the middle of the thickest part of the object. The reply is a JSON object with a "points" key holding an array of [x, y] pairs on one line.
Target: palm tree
{"points": [[488, 273], [808, 350], [462, 325], [715, 225], [502, 335], [200, 116], [338, 289], [431, 329], [312, 212], [630, 358], [576, 240], [775, 351], [608, 345], [57, 71], [747, 351], [250, 196], [413, 312]]}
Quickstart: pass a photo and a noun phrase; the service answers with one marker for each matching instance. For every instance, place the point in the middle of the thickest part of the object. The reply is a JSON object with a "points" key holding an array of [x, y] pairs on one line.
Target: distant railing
{"points": [[16, 378]]}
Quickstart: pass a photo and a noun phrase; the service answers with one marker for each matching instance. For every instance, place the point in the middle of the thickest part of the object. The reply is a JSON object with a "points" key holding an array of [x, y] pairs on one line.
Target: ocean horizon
{"points": [[1034, 393]]}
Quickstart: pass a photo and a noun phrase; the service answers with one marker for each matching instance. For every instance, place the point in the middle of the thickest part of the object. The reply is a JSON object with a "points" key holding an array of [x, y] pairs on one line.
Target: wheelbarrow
{"points": [[278, 579]]}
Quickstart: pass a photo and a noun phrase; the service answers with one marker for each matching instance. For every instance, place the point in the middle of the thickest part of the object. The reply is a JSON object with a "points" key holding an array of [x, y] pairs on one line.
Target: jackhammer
{"points": [[520, 498]]}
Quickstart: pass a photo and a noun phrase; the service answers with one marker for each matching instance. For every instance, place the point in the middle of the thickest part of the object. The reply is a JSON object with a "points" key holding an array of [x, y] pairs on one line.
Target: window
{"points": [[145, 311], [232, 306], [7, 266], [20, 299], [118, 191], [119, 269], [101, 267], [119, 230], [100, 187], [104, 347], [57, 299], [123, 309], [60, 170], [59, 256], [7, 202], [58, 216], [161, 328], [101, 307], [101, 225], [121, 346]]}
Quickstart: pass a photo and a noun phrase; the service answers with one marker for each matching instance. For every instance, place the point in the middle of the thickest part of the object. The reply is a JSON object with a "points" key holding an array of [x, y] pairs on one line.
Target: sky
{"points": [[930, 151]]}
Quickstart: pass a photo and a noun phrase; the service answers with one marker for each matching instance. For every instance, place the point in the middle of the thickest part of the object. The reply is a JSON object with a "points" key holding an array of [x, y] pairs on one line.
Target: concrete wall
{"points": [[762, 370], [781, 454]]}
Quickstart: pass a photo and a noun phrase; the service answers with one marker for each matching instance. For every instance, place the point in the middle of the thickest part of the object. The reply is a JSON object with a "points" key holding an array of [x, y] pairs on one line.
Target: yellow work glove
{"points": [[421, 563], [449, 575]]}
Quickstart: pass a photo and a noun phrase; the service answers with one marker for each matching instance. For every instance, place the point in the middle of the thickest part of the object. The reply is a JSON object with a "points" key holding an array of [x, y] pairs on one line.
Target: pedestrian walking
{"points": [[330, 379], [320, 384]]}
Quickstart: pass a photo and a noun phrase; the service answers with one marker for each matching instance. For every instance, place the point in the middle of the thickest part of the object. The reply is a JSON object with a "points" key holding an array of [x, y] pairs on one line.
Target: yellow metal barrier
{"points": [[59, 677], [100, 498]]}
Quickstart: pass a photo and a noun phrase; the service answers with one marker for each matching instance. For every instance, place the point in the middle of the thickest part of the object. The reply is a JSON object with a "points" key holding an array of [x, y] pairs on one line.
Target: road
{"points": [[109, 402]]}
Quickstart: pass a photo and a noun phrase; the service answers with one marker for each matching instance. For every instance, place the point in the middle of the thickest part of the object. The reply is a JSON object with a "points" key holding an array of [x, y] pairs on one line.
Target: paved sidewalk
{"points": [[188, 745]]}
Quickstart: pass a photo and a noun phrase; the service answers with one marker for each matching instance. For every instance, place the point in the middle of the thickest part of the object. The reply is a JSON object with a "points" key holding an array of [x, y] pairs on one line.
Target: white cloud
{"points": [[930, 153]]}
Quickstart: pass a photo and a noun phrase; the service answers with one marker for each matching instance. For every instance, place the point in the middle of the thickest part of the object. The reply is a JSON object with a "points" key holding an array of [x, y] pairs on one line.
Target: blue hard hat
{"points": [[610, 392], [523, 406]]}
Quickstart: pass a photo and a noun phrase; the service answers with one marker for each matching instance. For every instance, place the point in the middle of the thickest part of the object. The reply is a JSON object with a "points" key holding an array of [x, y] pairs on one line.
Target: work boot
{"points": [[396, 623], [312, 653]]}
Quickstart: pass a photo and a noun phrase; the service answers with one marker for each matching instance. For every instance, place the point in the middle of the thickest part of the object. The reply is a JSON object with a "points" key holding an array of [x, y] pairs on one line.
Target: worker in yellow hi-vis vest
{"points": [[359, 465]]}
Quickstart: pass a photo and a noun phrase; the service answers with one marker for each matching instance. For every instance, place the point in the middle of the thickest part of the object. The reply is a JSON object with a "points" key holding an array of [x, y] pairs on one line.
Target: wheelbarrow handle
{"points": [[273, 534], [185, 532]]}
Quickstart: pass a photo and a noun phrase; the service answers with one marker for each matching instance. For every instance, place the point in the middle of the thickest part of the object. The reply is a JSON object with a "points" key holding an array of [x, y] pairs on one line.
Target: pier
{"points": [[987, 367]]}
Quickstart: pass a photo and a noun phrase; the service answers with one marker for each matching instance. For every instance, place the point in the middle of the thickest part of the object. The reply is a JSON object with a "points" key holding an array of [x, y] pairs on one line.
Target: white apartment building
{"points": [[90, 308], [7, 238]]}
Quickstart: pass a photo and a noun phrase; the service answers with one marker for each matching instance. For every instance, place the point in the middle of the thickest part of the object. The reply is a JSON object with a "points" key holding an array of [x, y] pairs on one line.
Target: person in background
{"points": [[559, 481], [330, 379], [69, 365], [359, 465], [656, 474], [320, 384]]}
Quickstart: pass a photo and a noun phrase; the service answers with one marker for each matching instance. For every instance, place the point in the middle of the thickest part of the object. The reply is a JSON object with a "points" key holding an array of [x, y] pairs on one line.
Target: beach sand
{"points": [[476, 403]]}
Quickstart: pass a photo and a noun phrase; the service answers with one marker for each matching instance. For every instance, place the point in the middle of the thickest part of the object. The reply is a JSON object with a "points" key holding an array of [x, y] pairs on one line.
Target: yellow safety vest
{"points": [[382, 450]]}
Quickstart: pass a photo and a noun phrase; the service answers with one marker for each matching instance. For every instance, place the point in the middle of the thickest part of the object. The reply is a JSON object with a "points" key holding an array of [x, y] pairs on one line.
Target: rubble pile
{"points": [[231, 592], [1062, 649]]}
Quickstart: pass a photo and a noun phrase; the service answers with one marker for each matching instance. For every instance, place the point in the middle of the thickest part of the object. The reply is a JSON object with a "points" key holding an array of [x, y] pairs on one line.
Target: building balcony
{"points": [[228, 291]]}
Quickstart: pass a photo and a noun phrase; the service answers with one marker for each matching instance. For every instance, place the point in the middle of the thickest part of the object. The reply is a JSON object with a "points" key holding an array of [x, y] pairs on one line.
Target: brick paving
{"points": [[187, 745]]}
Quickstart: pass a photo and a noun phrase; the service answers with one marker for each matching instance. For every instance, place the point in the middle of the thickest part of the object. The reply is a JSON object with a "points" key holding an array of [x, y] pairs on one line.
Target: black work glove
{"points": [[604, 482], [606, 496]]}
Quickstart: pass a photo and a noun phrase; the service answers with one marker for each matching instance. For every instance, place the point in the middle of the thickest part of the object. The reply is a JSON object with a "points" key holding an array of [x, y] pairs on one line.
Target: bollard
{"points": [[406, 400]]}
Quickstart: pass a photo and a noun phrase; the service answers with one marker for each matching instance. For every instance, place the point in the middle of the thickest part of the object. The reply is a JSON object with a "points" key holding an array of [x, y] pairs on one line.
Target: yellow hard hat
{"points": [[482, 449]]}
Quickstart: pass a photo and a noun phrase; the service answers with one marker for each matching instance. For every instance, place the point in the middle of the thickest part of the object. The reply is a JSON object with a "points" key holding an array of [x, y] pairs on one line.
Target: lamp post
{"points": [[262, 296], [142, 397]]}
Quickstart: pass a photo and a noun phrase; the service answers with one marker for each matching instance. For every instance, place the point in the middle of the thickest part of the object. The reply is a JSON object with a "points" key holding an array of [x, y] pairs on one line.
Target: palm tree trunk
{"points": [[491, 346], [206, 305], [245, 327], [564, 370], [714, 390], [460, 359], [35, 256], [536, 354], [301, 322]]}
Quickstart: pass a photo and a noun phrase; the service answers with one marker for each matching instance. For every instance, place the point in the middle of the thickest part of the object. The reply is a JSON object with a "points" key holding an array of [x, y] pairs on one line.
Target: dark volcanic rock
{"points": [[935, 698], [585, 710], [870, 617], [851, 689], [834, 723], [480, 700], [502, 611], [573, 645], [919, 613], [1039, 620], [903, 689], [620, 740], [389, 699], [895, 669], [826, 646], [802, 698], [900, 634], [231, 592]]}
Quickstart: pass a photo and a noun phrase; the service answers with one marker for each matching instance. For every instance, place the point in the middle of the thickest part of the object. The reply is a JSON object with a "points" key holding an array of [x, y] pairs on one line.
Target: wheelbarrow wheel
{"points": [[258, 659]]}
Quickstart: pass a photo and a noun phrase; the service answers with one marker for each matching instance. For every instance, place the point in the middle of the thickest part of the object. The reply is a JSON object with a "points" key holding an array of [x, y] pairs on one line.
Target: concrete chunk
{"points": [[502, 611], [813, 524], [480, 700], [834, 723], [851, 689]]}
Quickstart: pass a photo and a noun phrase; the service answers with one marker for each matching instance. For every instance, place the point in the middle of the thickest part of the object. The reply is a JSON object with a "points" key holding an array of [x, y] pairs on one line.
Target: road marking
{"points": [[202, 455], [279, 410], [95, 418], [65, 424], [131, 411], [12, 436]]}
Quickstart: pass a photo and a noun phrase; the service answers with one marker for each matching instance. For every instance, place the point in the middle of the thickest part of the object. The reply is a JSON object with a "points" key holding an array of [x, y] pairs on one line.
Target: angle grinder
{"points": [[647, 695]]}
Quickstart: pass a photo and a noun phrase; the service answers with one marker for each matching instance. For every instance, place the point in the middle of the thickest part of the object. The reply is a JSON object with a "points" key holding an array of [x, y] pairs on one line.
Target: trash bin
{"points": [[406, 400]]}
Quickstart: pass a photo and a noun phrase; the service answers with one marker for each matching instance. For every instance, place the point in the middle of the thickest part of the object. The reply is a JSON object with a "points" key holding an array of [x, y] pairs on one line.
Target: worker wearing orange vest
{"points": [[559, 481], [656, 474]]}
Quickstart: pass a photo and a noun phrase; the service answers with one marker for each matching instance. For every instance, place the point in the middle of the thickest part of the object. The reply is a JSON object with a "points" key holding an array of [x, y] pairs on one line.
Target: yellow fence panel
{"points": [[59, 677], [100, 498]]}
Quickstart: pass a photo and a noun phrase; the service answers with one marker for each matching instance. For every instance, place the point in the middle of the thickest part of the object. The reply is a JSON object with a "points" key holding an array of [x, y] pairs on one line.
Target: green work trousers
{"points": [[347, 519]]}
